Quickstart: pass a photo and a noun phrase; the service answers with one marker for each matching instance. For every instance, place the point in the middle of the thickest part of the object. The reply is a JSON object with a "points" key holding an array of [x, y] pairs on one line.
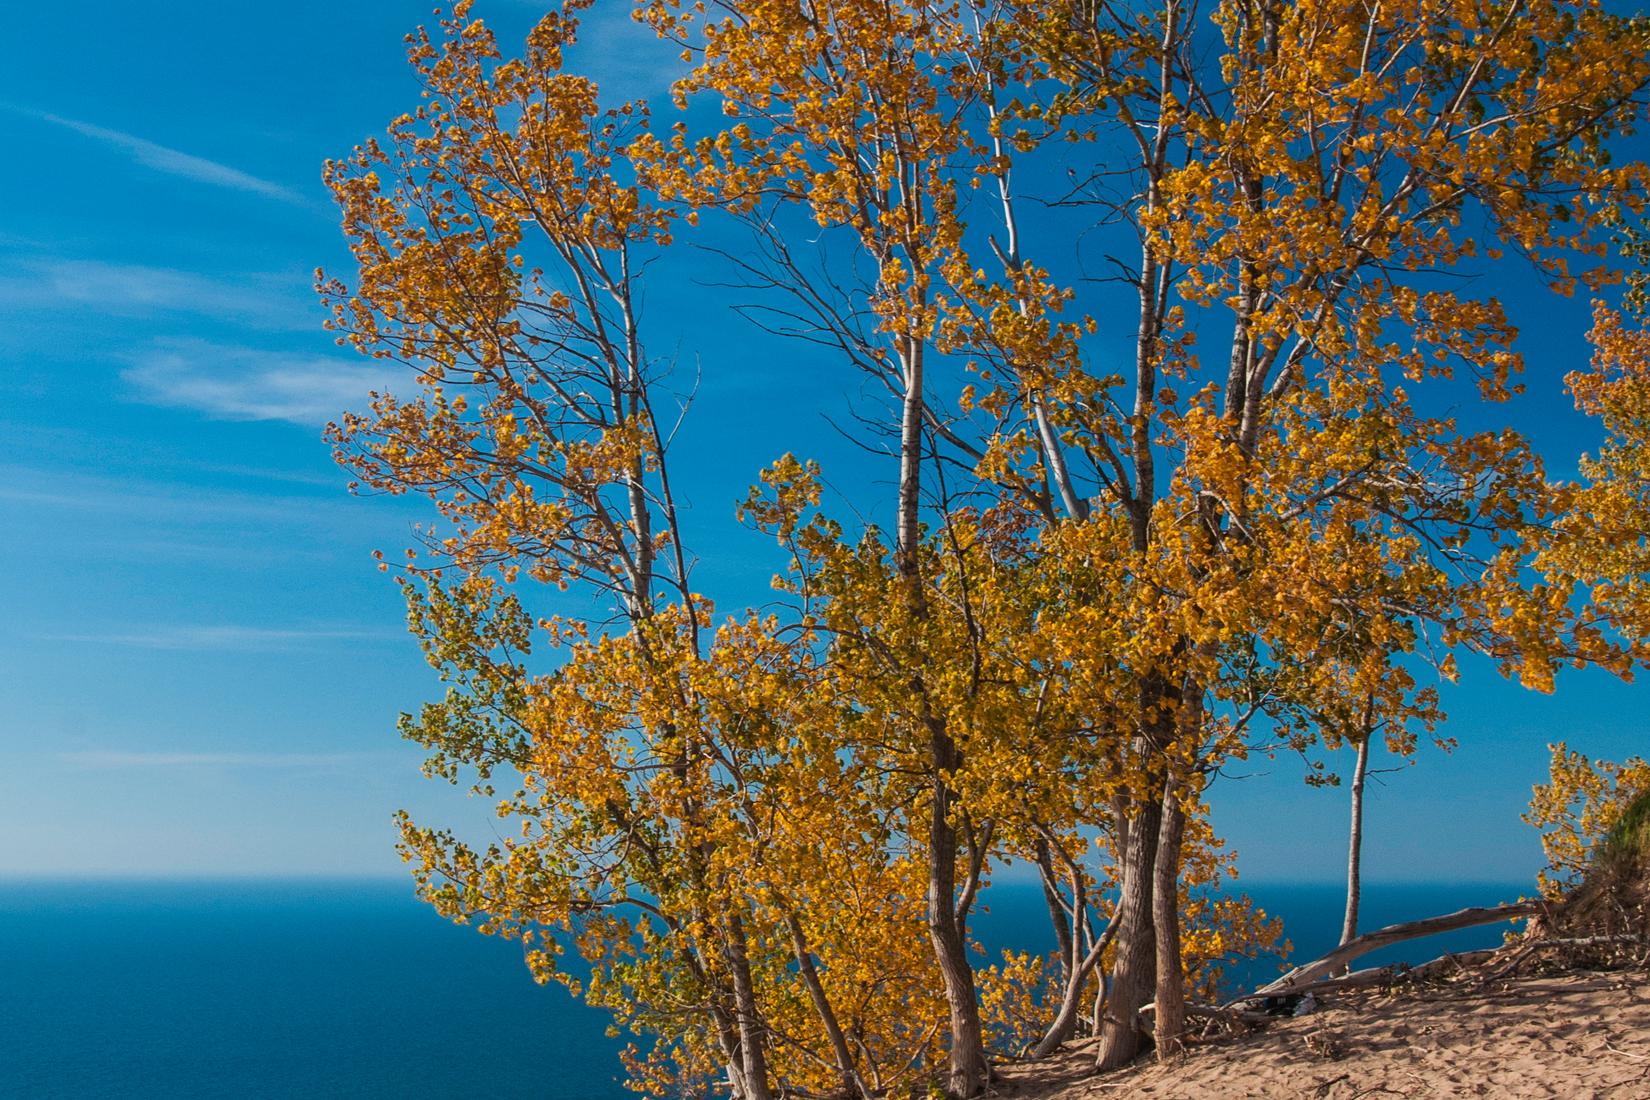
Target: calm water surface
{"points": [[288, 989], [354, 989]]}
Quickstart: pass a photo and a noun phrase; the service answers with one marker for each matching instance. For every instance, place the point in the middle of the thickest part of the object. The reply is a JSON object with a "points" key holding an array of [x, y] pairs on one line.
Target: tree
{"points": [[1577, 809], [1104, 573], [1603, 542], [649, 761]]}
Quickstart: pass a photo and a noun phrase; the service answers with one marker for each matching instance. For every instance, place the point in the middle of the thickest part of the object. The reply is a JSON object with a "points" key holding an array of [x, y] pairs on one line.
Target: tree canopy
{"points": [[1138, 525]]}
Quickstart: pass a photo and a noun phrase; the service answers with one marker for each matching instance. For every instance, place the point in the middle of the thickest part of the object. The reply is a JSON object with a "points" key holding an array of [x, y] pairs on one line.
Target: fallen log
{"points": [[1384, 975], [1209, 1012], [1301, 977]]}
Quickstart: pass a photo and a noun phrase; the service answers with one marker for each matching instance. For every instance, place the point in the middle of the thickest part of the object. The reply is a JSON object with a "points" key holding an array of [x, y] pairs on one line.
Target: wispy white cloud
{"points": [[60, 515], [166, 504], [97, 759], [175, 162], [624, 57], [57, 284], [226, 636], [265, 473], [237, 383]]}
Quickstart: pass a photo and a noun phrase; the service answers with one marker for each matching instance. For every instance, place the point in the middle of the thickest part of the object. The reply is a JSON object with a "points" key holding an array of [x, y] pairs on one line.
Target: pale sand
{"points": [[1576, 1035]]}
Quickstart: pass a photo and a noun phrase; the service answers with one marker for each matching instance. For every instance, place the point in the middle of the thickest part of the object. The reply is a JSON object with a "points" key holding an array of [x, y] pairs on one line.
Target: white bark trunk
{"points": [[1355, 844]]}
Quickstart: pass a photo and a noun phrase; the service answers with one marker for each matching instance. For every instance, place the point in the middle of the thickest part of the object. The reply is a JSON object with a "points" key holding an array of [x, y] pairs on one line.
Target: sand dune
{"points": [[1575, 1035]]}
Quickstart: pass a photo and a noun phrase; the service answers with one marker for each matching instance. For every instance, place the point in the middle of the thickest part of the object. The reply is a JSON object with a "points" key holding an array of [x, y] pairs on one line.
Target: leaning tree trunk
{"points": [[852, 1086], [1064, 1024], [1169, 1018], [1355, 844], [1338, 959], [1071, 1001]]}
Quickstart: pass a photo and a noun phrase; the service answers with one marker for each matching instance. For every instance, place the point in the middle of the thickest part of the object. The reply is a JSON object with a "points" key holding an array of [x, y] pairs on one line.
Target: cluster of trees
{"points": [[1104, 575]]}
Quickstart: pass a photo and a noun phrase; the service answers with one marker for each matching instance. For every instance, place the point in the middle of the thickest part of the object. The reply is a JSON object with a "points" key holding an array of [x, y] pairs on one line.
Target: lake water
{"points": [[354, 989]]}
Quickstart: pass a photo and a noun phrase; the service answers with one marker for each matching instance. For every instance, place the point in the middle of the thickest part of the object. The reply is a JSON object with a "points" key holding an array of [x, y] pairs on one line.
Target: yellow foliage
{"points": [[1575, 810], [761, 837]]}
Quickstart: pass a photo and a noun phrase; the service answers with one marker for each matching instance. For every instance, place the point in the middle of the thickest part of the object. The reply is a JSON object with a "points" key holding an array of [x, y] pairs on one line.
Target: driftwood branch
{"points": [[1583, 941], [1524, 950], [1207, 1012], [1383, 975], [1303, 976]]}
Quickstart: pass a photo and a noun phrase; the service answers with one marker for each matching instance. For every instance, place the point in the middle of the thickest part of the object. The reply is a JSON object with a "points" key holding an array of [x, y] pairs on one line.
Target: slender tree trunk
{"points": [[1095, 1017], [1355, 844], [1062, 922], [1065, 1019], [1069, 936], [967, 1075], [910, 461], [752, 1051], [1338, 959], [1169, 1021], [851, 1084], [967, 1067]]}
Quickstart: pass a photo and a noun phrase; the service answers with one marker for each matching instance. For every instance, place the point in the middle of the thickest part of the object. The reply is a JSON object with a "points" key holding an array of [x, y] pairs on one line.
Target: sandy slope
{"points": [[1576, 1035]]}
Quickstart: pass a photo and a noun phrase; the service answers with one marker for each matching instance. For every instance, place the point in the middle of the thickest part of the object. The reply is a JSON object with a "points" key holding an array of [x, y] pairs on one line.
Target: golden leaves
{"points": [[1603, 542], [1577, 808], [734, 821]]}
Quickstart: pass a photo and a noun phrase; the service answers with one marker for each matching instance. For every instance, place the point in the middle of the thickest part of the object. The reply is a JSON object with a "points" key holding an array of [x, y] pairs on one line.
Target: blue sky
{"points": [[202, 666]]}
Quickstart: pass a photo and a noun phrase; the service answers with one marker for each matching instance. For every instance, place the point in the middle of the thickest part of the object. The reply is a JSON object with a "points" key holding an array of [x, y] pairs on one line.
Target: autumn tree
{"points": [[1114, 562], [1301, 192], [679, 816], [1603, 543], [1577, 810], [1301, 195]]}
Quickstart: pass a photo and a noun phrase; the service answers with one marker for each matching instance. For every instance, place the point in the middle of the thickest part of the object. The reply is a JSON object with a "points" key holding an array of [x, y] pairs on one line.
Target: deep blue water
{"points": [[282, 989], [353, 989], [1312, 915]]}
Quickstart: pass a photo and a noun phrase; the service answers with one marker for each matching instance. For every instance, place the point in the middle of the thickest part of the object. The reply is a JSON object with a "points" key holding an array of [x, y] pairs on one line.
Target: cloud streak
{"points": [[61, 515], [237, 383], [262, 760], [164, 504], [55, 284], [226, 637], [625, 58], [175, 162]]}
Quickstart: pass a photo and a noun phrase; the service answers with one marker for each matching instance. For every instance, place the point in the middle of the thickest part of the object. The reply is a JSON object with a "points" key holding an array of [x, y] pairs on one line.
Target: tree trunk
{"points": [[1134, 973], [752, 1053], [851, 1083], [1064, 926], [967, 1075], [1355, 844], [910, 460], [1169, 1020], [1065, 1020], [728, 1035]]}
